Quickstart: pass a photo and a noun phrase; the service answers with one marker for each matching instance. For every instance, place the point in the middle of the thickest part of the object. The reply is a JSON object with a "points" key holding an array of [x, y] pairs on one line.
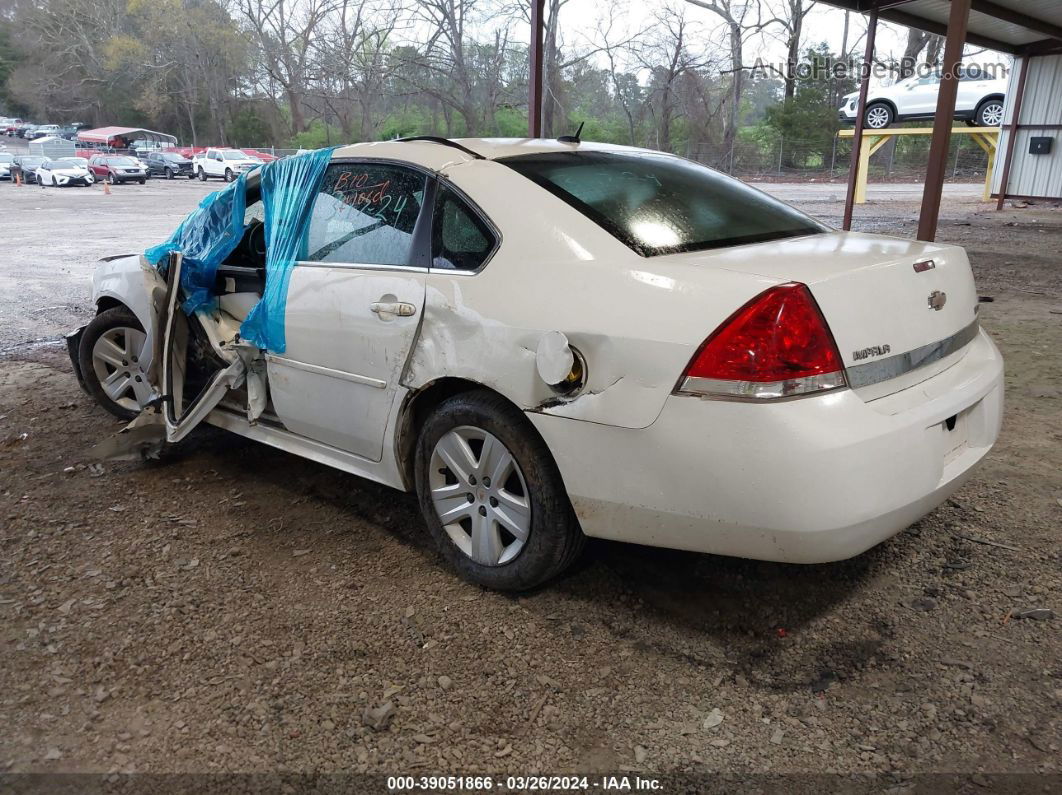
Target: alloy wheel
{"points": [[877, 118], [992, 115], [116, 363], [480, 495]]}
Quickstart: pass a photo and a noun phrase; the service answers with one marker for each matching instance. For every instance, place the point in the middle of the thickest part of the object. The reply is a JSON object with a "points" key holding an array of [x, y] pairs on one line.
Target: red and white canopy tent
{"points": [[115, 136]]}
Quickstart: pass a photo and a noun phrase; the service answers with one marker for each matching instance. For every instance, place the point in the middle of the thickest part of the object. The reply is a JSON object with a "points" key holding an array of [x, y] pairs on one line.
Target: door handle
{"points": [[399, 308]]}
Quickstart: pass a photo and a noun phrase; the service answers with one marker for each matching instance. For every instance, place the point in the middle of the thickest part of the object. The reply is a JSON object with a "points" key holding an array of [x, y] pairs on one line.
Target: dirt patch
{"points": [[237, 608]]}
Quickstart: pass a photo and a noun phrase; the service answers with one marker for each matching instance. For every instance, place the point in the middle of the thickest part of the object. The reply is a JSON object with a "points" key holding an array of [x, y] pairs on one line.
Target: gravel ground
{"points": [[239, 609]]}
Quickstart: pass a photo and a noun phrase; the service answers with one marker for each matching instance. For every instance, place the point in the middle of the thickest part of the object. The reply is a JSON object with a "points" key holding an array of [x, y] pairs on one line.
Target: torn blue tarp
{"points": [[287, 198], [206, 237], [211, 232]]}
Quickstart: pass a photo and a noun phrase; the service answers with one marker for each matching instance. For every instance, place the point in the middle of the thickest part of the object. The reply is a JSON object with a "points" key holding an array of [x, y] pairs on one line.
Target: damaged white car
{"points": [[549, 340]]}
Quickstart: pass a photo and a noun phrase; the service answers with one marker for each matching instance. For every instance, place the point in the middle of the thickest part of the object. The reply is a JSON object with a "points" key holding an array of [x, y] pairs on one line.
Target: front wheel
{"points": [[202, 175], [142, 180], [169, 173], [110, 353], [492, 495], [989, 113], [878, 116], [109, 179]]}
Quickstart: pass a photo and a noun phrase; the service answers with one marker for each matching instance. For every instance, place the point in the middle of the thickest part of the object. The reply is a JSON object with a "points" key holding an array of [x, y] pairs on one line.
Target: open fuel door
{"points": [[222, 363]]}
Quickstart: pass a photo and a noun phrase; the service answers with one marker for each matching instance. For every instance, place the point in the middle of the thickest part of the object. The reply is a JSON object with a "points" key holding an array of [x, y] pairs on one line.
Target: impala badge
{"points": [[937, 299], [873, 350]]}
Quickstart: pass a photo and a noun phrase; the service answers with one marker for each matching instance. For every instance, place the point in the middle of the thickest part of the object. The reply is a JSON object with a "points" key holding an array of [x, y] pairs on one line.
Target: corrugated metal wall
{"points": [[1034, 175]]}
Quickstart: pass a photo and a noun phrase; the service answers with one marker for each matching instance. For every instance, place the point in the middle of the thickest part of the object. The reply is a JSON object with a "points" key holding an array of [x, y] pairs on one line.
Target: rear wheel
{"points": [[111, 348], [878, 116], [989, 113], [229, 176], [492, 495]]}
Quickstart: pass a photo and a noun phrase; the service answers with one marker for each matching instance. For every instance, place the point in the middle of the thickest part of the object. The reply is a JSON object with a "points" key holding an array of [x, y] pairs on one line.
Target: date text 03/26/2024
{"points": [[604, 783]]}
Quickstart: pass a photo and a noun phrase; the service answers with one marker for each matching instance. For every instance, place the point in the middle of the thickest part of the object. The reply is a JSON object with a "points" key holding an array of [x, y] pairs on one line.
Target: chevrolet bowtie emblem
{"points": [[937, 299]]}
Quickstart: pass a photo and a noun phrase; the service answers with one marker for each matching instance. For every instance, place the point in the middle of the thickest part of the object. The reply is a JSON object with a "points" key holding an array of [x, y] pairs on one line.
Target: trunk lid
{"points": [[878, 306]]}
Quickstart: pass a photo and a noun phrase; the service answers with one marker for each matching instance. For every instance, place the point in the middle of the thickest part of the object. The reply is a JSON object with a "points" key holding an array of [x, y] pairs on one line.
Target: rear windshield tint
{"points": [[661, 204]]}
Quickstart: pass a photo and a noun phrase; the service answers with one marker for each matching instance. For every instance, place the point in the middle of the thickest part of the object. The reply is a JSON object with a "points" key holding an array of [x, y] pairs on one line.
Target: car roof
{"points": [[433, 154]]}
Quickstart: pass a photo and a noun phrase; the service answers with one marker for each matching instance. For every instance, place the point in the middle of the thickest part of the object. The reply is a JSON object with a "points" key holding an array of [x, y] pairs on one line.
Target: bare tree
{"points": [[668, 58], [741, 19], [791, 14], [285, 32], [617, 50], [352, 66]]}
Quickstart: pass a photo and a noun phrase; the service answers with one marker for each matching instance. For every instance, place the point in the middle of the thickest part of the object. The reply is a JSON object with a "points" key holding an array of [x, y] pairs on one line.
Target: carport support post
{"points": [[534, 99], [938, 149], [861, 107], [1012, 128]]}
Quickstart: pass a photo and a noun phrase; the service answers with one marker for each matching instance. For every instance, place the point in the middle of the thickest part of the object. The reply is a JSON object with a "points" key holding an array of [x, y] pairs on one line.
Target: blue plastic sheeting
{"points": [[286, 184], [206, 237]]}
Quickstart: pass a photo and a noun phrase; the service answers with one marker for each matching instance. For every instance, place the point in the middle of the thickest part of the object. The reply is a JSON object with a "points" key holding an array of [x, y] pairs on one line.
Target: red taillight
{"points": [[777, 345]]}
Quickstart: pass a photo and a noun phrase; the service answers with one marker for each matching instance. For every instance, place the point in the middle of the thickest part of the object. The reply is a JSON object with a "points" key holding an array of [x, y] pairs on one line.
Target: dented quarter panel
{"points": [[636, 332]]}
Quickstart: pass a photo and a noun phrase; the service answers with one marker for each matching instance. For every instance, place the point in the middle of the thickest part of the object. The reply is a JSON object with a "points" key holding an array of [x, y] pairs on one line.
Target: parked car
{"points": [[225, 163], [114, 169], [10, 126], [70, 131], [42, 131], [25, 167], [64, 172], [979, 101], [6, 161], [169, 165], [551, 340], [25, 130]]}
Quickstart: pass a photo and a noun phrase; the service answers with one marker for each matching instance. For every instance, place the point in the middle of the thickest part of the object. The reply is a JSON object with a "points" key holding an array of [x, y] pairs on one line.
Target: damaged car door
{"points": [[354, 305], [229, 361]]}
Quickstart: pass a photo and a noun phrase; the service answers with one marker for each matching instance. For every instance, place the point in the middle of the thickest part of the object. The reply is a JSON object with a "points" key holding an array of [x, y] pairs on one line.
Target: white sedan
{"points": [[549, 340], [64, 172], [979, 100]]}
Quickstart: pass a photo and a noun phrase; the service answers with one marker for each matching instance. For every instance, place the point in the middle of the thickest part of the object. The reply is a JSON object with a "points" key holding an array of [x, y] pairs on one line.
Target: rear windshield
{"points": [[661, 204]]}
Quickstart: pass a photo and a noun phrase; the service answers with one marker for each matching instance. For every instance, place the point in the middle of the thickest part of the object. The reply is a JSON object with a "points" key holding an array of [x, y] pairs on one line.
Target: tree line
{"points": [[312, 72]]}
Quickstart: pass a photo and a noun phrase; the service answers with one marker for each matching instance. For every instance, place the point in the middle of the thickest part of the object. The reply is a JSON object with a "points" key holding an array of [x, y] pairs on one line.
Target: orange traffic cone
{"points": [[106, 188], [18, 178]]}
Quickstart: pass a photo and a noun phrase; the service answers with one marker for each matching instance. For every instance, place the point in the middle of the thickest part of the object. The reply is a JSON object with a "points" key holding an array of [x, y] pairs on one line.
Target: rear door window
{"points": [[365, 213], [460, 239]]}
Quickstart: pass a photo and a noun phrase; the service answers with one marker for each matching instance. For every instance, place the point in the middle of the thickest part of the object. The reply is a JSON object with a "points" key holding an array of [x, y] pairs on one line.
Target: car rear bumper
{"points": [[808, 480]]}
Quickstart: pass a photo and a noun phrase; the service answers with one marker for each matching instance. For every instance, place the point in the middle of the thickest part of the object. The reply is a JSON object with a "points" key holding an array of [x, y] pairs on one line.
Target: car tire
{"points": [[989, 113], [202, 175], [229, 176], [552, 536], [878, 116], [109, 178], [114, 322], [142, 180], [170, 174]]}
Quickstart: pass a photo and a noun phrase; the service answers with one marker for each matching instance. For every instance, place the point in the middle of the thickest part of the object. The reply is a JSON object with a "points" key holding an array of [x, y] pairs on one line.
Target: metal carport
{"points": [[1026, 29], [104, 135]]}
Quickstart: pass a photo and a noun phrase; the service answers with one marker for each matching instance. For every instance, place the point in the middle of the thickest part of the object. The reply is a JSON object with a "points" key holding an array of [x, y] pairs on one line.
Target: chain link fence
{"points": [[902, 159]]}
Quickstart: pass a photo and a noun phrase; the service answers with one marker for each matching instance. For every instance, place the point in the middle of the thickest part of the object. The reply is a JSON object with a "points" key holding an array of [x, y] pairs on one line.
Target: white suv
{"points": [[979, 101]]}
